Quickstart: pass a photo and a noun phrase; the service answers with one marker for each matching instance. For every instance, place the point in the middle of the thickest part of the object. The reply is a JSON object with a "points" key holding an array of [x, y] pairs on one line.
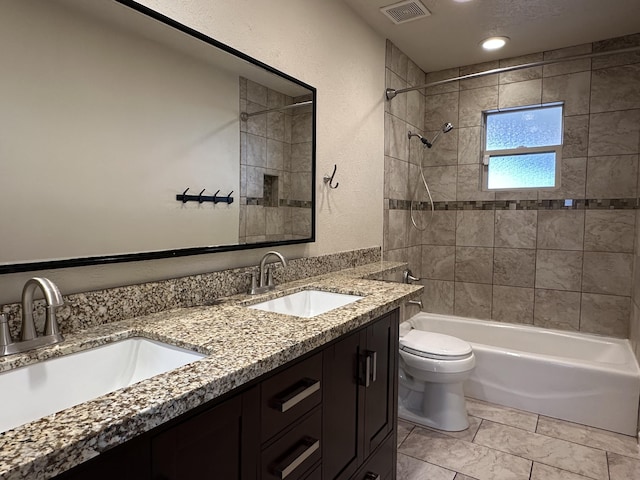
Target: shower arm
{"points": [[392, 92]]}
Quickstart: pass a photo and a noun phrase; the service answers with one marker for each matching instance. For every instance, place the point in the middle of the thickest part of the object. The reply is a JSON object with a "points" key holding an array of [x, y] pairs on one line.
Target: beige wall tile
{"points": [[415, 75], [469, 145], [516, 228], [415, 108], [474, 264], [612, 177], [557, 309], [475, 228], [616, 44], [396, 139], [398, 61], [473, 300], [396, 178], [439, 227], [615, 88], [398, 228], [445, 152], [512, 304], [561, 229], [438, 296], [442, 182], [469, 184], [567, 67], [443, 75], [559, 270], [474, 102], [573, 89], [514, 267], [397, 106], [520, 94], [607, 273], [576, 136], [609, 230], [440, 109], [614, 133], [573, 179], [484, 81], [524, 74], [438, 262], [605, 314]]}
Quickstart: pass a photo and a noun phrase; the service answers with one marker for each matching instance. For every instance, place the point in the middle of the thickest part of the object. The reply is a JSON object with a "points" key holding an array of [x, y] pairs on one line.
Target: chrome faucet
{"points": [[265, 275], [28, 337]]}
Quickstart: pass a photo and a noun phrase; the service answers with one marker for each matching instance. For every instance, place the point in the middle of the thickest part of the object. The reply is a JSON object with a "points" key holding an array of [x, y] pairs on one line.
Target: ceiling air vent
{"points": [[406, 11]]}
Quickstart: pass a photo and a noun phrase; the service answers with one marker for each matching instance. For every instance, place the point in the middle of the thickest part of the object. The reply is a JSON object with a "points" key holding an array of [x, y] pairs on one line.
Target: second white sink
{"points": [[307, 303], [43, 388]]}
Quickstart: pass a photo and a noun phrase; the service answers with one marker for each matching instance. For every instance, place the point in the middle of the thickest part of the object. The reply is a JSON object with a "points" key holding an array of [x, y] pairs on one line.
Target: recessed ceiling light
{"points": [[494, 43]]}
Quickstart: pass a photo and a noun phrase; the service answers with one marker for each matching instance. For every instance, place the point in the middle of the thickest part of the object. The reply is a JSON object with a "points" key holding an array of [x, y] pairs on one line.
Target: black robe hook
{"points": [[329, 179]]}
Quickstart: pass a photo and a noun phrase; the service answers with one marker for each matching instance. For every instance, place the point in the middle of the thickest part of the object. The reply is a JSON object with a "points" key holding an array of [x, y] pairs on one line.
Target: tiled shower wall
{"points": [[276, 146], [521, 256]]}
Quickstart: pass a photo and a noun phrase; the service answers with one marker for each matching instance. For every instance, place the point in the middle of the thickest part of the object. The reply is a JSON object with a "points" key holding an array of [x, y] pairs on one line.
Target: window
{"points": [[522, 148]]}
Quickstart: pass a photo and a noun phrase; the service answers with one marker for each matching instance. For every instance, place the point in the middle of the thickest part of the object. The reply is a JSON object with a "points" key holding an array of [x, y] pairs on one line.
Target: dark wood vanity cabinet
{"points": [[360, 399], [329, 416]]}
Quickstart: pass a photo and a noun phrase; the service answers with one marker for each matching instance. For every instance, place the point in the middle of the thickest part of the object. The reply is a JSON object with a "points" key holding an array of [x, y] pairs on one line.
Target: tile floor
{"points": [[506, 444]]}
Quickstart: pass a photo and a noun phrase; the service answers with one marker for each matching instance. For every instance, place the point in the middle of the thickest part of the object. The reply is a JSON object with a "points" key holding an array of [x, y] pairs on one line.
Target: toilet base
{"points": [[440, 405]]}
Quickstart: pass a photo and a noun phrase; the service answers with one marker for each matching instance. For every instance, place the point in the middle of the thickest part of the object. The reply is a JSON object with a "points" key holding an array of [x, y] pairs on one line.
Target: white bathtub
{"points": [[588, 379]]}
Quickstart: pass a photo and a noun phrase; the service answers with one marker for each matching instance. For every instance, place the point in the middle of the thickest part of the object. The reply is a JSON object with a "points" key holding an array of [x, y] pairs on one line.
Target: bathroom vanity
{"points": [[325, 416], [276, 396]]}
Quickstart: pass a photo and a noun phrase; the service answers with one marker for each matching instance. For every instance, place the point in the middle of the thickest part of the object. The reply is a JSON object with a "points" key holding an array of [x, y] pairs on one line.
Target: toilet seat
{"points": [[436, 346]]}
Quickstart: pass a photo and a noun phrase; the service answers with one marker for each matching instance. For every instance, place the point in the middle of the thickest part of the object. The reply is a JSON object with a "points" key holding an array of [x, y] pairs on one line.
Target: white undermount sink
{"points": [[37, 390], [307, 303]]}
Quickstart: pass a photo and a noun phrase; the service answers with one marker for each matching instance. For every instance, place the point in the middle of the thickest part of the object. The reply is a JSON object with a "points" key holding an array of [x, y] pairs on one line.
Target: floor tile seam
{"points": [[608, 467], [578, 425], [503, 423], [449, 469], [601, 449], [558, 438], [542, 462], [569, 471]]}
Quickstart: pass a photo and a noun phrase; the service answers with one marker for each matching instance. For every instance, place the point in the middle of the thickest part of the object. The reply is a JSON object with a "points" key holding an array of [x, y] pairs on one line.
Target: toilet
{"points": [[432, 369]]}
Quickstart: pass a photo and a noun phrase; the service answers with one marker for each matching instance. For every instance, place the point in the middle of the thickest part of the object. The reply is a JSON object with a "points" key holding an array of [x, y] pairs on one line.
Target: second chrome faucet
{"points": [[264, 282]]}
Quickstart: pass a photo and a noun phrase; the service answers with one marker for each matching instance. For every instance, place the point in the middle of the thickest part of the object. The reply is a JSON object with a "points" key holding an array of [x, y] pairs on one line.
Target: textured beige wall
{"points": [[325, 45]]}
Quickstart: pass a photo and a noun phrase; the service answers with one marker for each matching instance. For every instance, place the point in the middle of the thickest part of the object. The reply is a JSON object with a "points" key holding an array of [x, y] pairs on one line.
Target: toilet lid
{"points": [[434, 345]]}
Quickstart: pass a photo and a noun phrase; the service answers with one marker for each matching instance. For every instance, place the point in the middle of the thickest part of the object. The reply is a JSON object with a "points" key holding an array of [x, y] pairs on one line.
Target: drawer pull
{"points": [[310, 445], [374, 367], [371, 476], [305, 388]]}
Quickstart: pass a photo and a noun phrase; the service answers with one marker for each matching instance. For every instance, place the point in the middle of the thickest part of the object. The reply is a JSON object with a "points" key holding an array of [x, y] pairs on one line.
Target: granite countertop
{"points": [[241, 344]]}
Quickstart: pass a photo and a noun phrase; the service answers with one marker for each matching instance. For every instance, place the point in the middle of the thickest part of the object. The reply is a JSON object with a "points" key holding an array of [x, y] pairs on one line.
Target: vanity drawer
{"points": [[291, 456], [290, 394]]}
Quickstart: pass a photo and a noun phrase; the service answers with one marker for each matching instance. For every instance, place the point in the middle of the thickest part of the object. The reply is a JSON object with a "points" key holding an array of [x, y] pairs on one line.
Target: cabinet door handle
{"points": [[308, 446], [305, 388], [367, 369], [370, 367], [371, 476], [374, 367]]}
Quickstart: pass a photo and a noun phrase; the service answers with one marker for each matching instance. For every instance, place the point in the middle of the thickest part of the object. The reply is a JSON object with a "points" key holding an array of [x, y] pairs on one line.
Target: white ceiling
{"points": [[450, 36]]}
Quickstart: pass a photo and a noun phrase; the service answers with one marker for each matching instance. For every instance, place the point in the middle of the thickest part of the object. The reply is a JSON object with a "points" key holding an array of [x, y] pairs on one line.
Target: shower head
{"points": [[447, 127]]}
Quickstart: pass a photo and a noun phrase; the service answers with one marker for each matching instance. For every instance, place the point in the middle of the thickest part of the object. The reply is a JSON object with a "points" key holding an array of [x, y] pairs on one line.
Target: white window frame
{"points": [[487, 154]]}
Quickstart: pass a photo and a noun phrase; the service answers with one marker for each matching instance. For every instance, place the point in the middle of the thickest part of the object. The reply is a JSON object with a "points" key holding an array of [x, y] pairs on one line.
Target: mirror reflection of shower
{"points": [[446, 128]]}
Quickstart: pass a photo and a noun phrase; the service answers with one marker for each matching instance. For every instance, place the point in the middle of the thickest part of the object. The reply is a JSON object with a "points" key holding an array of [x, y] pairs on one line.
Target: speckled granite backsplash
{"points": [[84, 310]]}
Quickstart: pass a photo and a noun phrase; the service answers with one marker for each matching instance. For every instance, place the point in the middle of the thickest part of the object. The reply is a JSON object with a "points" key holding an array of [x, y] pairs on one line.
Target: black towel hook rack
{"points": [[329, 179], [200, 198]]}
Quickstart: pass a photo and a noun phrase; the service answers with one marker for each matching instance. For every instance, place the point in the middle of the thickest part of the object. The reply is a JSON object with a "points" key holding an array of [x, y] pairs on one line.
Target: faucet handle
{"points": [[269, 277], [5, 335]]}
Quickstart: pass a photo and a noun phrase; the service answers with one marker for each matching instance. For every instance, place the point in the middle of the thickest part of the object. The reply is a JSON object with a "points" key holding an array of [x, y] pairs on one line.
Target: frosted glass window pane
{"points": [[522, 171], [537, 127]]}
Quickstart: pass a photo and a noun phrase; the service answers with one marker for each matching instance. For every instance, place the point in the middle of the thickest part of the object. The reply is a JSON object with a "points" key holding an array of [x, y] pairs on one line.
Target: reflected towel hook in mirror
{"points": [[329, 179]]}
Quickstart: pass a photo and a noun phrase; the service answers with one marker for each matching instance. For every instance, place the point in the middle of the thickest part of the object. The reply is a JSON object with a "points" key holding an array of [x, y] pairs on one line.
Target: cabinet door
{"points": [[380, 409], [130, 461], [215, 444], [343, 403]]}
